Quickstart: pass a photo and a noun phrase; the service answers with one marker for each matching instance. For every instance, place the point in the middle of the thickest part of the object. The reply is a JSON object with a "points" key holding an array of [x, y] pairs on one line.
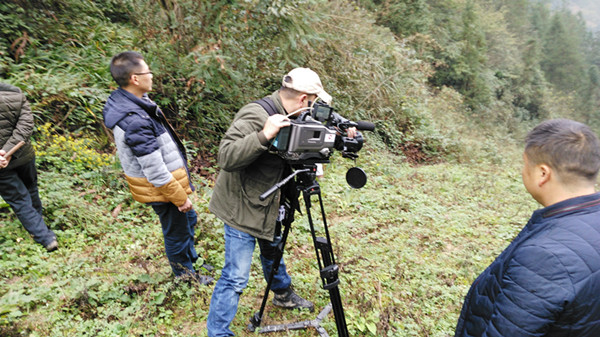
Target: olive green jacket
{"points": [[16, 124], [247, 171]]}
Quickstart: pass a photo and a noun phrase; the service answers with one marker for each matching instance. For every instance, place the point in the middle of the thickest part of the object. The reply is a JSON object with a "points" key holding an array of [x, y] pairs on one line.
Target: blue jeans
{"points": [[178, 232], [18, 187], [239, 247]]}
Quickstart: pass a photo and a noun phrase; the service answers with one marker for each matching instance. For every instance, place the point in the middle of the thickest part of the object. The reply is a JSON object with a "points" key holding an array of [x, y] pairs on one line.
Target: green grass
{"points": [[409, 244]]}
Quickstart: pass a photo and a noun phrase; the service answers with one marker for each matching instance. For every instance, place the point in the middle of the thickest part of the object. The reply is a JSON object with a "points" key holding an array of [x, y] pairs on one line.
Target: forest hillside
{"points": [[452, 87]]}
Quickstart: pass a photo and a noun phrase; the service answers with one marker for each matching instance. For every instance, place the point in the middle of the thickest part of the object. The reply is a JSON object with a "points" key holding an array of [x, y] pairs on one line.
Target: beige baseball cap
{"points": [[307, 81]]}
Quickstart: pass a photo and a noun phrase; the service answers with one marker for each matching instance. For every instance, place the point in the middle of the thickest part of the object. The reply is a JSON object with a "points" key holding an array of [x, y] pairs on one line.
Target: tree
{"points": [[465, 70], [563, 62], [531, 86]]}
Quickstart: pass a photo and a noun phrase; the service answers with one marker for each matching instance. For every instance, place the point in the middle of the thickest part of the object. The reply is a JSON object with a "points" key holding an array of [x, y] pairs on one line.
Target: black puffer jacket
{"points": [[16, 124], [546, 282]]}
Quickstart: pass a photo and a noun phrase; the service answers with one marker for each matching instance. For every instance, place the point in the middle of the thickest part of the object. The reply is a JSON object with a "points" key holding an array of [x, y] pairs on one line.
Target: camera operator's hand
{"points": [[351, 132], [273, 124], [188, 206], [3, 161]]}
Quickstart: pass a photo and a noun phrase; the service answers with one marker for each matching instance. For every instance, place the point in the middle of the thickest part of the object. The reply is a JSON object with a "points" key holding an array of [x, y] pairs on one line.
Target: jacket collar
{"points": [[566, 207], [145, 102], [8, 87], [121, 103], [277, 100]]}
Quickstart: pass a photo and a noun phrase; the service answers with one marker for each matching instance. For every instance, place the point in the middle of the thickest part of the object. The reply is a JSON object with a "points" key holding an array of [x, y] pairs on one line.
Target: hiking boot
{"points": [[203, 279], [288, 299], [192, 277], [52, 246]]}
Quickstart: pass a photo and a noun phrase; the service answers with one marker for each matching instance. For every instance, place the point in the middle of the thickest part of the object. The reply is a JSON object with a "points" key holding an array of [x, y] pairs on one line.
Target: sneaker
{"points": [[290, 300], [52, 246]]}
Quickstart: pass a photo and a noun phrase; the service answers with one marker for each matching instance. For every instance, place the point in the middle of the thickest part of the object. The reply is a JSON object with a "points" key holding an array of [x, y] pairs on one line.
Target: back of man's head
{"points": [[303, 80], [123, 65], [568, 147]]}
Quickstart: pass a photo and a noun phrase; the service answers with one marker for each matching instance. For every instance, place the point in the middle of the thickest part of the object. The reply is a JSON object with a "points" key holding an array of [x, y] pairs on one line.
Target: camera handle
{"points": [[280, 184], [306, 184]]}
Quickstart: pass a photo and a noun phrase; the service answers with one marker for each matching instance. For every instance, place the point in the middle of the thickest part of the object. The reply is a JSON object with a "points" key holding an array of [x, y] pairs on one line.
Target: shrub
{"points": [[67, 152]]}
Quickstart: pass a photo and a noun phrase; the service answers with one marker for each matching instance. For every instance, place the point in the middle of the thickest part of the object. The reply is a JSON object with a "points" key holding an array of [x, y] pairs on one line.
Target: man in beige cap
{"points": [[247, 171]]}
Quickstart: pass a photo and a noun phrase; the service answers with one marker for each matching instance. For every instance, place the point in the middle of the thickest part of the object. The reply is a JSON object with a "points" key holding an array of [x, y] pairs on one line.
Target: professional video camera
{"points": [[316, 132]]}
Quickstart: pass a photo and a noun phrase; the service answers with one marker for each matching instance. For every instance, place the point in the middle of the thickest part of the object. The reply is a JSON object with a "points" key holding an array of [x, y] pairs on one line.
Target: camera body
{"points": [[315, 134]]}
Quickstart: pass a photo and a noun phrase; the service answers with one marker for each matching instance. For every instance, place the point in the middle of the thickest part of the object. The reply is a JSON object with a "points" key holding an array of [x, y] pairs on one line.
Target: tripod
{"points": [[305, 182]]}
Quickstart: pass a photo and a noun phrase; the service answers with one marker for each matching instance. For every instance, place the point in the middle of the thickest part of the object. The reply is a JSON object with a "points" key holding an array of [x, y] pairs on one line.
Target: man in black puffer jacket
{"points": [[18, 175], [547, 281]]}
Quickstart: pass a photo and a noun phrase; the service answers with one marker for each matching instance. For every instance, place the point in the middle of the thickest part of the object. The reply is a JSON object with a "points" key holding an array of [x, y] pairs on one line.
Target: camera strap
{"points": [[288, 191], [267, 104]]}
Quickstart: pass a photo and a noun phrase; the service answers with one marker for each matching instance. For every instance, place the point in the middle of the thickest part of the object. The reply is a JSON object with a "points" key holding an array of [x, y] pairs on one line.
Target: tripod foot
{"points": [[254, 322]]}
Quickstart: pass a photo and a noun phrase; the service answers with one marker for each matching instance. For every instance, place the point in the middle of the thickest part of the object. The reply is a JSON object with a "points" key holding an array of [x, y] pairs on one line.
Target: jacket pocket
{"points": [[252, 189]]}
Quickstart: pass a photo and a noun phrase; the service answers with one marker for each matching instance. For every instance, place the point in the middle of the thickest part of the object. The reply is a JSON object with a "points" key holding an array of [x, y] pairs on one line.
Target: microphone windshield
{"points": [[366, 126]]}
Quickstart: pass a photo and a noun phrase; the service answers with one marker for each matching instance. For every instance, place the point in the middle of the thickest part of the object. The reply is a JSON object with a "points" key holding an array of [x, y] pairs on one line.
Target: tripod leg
{"points": [[256, 320], [329, 275], [326, 260]]}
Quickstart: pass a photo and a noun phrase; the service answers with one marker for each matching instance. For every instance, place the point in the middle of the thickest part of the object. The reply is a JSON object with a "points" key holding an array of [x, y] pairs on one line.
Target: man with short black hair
{"points": [[247, 171], [153, 158], [547, 281]]}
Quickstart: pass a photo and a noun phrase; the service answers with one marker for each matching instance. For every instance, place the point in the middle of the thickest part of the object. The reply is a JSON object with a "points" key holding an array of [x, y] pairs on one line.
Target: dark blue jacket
{"points": [[150, 153], [546, 282]]}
